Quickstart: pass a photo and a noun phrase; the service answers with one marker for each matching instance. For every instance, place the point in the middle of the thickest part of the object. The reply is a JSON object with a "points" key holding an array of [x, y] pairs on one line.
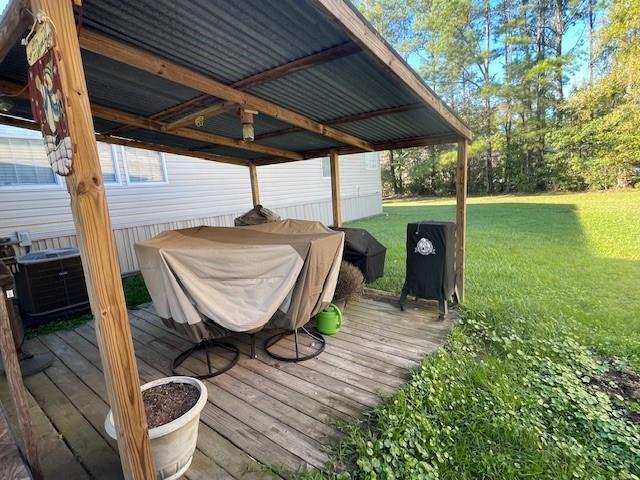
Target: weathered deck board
{"points": [[261, 412]]}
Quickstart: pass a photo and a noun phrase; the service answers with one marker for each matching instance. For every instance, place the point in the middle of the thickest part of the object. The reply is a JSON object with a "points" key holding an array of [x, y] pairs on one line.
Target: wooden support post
{"points": [[98, 251], [16, 388], [334, 159], [255, 188], [461, 216]]}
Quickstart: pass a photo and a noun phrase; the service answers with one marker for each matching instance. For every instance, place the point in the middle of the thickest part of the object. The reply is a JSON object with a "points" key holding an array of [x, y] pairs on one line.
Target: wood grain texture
{"points": [[143, 60], [13, 464], [14, 23], [261, 412], [361, 32], [404, 143], [336, 206], [461, 215], [255, 185], [113, 115], [157, 147], [99, 258], [16, 389]]}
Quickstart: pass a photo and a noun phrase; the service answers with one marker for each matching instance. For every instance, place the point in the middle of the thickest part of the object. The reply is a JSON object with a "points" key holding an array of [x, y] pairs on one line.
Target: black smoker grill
{"points": [[430, 263], [364, 251], [50, 281]]}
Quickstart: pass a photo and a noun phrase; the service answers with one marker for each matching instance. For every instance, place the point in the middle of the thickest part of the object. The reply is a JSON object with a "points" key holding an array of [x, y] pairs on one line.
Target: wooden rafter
{"points": [[348, 18], [139, 121], [113, 115], [275, 73], [207, 112], [143, 60], [439, 139], [349, 118], [127, 142], [14, 22]]}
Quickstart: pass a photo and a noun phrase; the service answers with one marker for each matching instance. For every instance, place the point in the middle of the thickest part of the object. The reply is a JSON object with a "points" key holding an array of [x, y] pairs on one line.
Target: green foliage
{"points": [[502, 65], [58, 326], [552, 296]]}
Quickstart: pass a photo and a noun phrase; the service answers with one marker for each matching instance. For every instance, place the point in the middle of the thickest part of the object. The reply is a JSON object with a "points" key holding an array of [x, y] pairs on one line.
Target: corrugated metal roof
{"points": [[231, 41]]}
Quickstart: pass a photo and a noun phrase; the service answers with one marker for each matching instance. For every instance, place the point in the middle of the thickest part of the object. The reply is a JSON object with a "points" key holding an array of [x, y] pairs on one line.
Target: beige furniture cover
{"points": [[278, 274]]}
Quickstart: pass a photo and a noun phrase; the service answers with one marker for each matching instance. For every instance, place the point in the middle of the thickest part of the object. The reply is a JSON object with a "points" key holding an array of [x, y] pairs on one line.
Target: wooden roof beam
{"points": [[148, 62], [439, 139], [14, 23], [138, 121], [207, 112], [349, 118], [348, 18], [30, 125], [113, 115], [272, 74]]}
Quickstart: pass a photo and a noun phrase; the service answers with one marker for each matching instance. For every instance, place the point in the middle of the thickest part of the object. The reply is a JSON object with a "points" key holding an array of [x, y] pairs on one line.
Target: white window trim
{"points": [[163, 160], [59, 180], [116, 166], [58, 185]]}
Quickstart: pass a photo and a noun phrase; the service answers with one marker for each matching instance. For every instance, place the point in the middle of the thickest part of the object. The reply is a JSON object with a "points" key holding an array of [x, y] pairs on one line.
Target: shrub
{"points": [[350, 283]]}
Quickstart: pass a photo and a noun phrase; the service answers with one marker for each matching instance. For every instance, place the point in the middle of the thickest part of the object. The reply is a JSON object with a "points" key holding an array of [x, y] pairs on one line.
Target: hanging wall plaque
{"points": [[47, 99]]}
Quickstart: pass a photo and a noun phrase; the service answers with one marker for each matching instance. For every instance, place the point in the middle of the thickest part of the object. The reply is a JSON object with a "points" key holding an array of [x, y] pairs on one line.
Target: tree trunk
{"points": [[559, 30], [487, 98]]}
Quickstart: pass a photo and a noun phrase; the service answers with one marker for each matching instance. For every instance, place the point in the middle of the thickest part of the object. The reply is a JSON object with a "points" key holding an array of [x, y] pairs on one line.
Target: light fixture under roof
{"points": [[246, 118]]}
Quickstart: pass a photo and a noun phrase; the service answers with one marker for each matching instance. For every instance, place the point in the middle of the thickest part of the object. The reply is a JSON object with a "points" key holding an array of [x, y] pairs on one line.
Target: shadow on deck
{"points": [[260, 412]]}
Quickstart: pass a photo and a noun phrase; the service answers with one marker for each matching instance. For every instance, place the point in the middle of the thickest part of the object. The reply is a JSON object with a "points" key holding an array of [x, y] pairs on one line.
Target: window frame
{"points": [[163, 160], [116, 165], [56, 185]]}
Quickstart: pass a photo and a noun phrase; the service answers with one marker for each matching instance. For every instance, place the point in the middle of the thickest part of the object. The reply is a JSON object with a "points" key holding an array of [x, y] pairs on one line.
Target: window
{"points": [[108, 163], [326, 167], [23, 161], [144, 166], [371, 161]]}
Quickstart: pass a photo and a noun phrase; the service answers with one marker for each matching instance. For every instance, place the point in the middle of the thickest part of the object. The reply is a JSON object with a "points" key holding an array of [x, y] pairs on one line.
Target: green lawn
{"points": [[522, 390]]}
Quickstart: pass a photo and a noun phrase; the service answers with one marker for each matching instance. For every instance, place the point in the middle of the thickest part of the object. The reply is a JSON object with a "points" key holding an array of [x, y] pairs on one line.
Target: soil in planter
{"points": [[165, 403]]}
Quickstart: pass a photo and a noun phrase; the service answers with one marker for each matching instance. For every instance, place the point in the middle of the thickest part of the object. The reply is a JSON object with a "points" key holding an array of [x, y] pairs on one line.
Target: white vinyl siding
{"points": [[372, 160], [198, 192], [24, 162], [144, 166]]}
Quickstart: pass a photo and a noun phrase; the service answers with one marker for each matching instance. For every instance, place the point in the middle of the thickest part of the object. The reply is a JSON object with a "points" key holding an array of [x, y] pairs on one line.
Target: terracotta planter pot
{"points": [[172, 444]]}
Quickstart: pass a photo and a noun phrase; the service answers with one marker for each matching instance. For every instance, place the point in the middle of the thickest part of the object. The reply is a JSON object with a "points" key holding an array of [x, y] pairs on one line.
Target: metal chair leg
{"points": [[269, 342], [253, 346], [206, 345]]}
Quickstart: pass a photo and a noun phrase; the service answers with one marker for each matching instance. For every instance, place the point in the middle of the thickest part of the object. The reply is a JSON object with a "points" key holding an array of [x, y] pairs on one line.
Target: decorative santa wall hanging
{"points": [[47, 98]]}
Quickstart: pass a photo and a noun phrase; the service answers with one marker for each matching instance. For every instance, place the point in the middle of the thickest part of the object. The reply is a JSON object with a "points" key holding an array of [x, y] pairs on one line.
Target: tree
{"points": [[503, 64]]}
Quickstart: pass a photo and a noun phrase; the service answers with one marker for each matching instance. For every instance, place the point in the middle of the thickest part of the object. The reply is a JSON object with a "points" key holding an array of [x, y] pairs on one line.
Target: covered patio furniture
{"points": [[212, 282], [245, 83]]}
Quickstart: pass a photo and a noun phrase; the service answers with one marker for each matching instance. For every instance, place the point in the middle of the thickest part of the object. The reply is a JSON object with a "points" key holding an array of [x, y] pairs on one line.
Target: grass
{"points": [[523, 388]]}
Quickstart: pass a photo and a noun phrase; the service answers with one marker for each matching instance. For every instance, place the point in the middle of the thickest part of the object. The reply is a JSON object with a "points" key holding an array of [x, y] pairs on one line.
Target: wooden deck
{"points": [[260, 412]]}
